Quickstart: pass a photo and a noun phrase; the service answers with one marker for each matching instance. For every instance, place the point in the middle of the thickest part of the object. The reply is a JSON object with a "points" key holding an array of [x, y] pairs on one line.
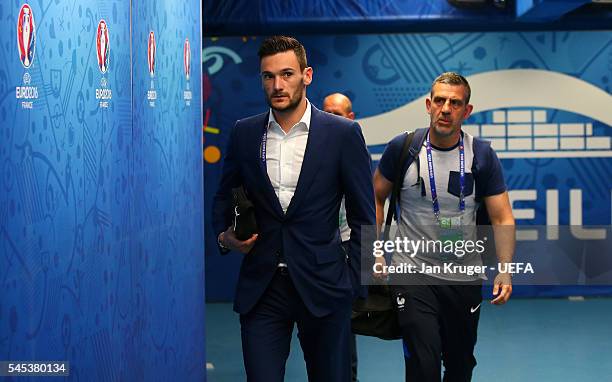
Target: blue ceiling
{"points": [[253, 17]]}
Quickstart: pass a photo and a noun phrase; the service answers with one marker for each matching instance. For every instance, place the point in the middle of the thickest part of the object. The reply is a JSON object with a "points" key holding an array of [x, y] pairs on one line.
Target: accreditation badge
{"points": [[450, 229]]}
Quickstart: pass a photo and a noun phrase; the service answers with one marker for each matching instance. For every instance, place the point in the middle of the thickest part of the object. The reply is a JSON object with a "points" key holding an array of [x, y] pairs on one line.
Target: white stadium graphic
{"points": [[524, 133]]}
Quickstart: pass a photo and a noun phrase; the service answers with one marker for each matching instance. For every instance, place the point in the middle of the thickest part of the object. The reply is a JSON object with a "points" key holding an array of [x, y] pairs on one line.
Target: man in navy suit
{"points": [[295, 163]]}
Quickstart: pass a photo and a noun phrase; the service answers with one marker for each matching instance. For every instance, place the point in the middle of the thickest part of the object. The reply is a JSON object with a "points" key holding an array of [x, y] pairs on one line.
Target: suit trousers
{"points": [[267, 330]]}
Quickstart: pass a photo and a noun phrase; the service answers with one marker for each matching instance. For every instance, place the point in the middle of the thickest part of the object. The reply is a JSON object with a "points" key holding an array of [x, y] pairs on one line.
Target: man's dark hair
{"points": [[279, 44], [452, 78]]}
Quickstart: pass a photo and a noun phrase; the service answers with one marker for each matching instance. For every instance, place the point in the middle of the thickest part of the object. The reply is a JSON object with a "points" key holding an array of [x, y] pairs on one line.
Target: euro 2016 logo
{"points": [[151, 53], [187, 96], [26, 35], [102, 46], [187, 58], [104, 94], [151, 50]]}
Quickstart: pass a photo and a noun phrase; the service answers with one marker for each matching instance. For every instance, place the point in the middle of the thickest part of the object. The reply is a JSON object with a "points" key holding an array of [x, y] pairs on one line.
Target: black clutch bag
{"points": [[245, 224]]}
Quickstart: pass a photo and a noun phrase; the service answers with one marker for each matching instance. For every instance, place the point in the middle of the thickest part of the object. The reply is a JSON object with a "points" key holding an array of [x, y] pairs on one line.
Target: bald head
{"points": [[339, 104]]}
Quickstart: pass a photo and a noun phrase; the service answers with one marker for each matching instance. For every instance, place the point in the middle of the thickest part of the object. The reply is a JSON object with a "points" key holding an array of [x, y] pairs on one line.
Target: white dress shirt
{"points": [[285, 154]]}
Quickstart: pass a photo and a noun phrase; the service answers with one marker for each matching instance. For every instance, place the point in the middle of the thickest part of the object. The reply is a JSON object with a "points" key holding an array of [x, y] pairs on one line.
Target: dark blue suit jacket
{"points": [[336, 163]]}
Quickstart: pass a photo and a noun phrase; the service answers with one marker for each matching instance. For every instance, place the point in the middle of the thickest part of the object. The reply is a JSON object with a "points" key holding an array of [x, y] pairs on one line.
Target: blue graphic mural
{"points": [[542, 98], [101, 235]]}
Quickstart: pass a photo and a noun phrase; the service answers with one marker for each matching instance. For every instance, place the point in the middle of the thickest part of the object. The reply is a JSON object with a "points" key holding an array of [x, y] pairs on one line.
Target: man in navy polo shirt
{"points": [[452, 175]]}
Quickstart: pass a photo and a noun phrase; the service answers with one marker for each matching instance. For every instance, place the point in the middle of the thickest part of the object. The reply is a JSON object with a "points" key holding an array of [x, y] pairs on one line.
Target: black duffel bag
{"points": [[376, 316]]}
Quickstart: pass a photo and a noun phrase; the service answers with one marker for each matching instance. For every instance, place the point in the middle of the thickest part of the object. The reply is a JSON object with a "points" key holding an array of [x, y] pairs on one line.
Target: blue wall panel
{"points": [[167, 158], [101, 234]]}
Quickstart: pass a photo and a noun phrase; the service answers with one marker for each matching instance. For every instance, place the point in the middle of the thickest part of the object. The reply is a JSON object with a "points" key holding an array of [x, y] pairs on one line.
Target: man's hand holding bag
{"points": [[241, 235]]}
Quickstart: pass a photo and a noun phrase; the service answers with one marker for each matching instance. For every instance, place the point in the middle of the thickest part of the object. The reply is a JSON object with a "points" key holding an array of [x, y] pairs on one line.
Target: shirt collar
{"points": [[304, 120]]}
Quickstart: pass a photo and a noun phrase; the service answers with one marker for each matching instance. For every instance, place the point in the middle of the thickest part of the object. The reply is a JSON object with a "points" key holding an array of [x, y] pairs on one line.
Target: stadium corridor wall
{"points": [[101, 232]]}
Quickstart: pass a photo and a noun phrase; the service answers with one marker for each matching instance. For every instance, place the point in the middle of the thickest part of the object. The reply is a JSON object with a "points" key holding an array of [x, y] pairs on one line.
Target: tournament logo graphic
{"points": [[151, 48], [103, 94], [26, 35], [27, 92], [102, 46], [187, 58], [187, 95]]}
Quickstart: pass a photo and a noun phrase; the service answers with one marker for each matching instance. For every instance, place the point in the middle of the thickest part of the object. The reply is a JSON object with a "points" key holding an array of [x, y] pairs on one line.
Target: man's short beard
{"points": [[293, 103]]}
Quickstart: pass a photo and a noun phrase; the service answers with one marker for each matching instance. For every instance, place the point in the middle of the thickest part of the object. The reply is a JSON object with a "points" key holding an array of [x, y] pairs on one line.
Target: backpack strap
{"points": [[479, 145], [410, 151], [413, 156]]}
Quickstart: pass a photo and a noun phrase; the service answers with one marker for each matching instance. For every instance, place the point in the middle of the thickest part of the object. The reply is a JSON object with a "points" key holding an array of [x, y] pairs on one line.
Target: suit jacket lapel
{"points": [[255, 140], [312, 159]]}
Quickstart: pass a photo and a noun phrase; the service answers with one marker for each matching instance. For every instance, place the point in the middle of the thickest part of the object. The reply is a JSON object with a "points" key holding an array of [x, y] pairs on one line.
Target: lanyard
{"points": [[264, 141], [432, 178]]}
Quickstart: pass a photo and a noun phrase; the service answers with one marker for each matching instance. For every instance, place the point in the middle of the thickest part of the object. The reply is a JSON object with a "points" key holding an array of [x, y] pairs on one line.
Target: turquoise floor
{"points": [[526, 340]]}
